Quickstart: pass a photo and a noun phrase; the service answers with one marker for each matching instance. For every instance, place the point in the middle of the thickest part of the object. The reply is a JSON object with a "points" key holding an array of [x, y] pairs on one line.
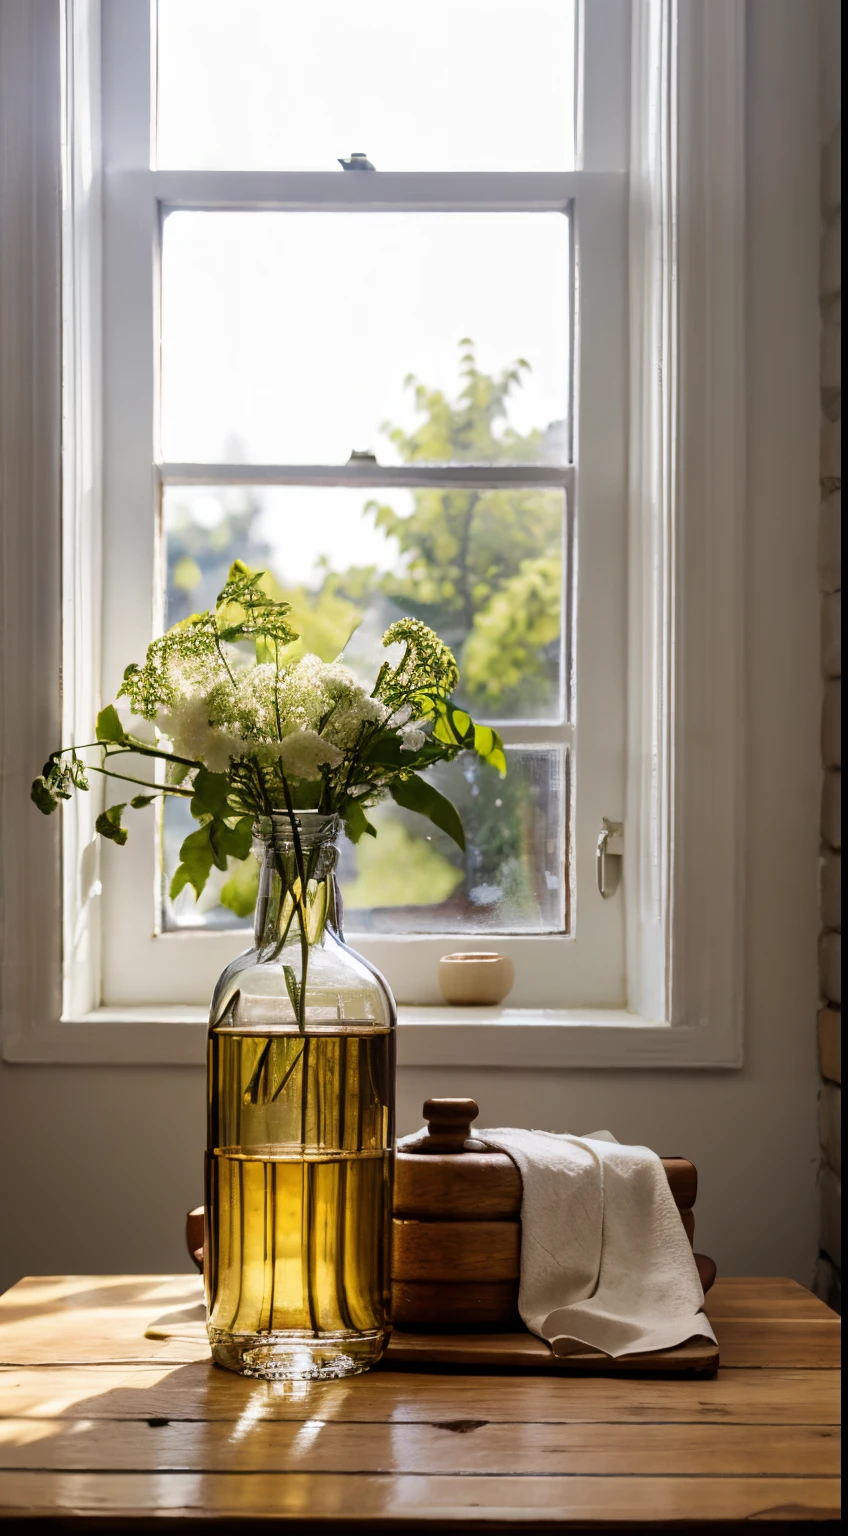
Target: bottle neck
{"points": [[292, 859]]}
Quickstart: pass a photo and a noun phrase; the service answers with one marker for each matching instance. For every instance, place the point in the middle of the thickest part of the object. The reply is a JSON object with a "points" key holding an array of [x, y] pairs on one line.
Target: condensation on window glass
{"points": [[512, 877], [296, 338], [450, 85], [484, 568]]}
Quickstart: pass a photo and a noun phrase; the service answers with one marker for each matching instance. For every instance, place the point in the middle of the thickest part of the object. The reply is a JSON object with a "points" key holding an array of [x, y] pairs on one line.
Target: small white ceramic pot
{"points": [[481, 978]]}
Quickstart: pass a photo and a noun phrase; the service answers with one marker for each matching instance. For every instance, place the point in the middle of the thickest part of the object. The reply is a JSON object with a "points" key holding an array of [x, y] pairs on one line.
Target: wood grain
{"points": [[156, 1435], [474, 1186], [199, 1392], [771, 1297], [420, 1304], [813, 1345], [455, 1250], [484, 1186], [634, 1502], [93, 1319], [255, 1445]]}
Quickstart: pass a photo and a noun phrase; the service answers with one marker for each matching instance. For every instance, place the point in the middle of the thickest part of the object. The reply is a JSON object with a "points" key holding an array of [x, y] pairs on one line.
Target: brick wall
{"points": [[828, 1279]]}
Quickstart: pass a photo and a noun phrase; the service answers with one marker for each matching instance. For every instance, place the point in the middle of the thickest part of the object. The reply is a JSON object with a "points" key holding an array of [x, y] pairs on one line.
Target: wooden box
{"points": [[457, 1226]]}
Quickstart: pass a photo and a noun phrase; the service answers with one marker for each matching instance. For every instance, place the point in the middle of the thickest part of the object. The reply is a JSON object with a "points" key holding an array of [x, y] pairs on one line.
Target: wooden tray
{"points": [[524, 1352]]}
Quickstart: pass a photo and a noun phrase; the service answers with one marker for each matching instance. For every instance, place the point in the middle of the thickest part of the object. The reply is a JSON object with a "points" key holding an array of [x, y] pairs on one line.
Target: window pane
{"points": [[297, 337], [447, 85], [412, 878], [483, 568]]}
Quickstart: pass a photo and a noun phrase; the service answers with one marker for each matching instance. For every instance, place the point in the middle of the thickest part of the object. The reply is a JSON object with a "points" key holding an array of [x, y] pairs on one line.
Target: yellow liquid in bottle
{"points": [[298, 1201]]}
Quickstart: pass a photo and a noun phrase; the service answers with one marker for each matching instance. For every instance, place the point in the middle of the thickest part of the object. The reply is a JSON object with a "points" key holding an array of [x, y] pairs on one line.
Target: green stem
{"points": [[301, 909], [165, 757], [164, 789], [113, 748], [299, 906], [223, 657]]}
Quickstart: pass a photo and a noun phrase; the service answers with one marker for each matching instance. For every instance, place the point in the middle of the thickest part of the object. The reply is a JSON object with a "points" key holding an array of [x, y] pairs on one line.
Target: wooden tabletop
{"points": [[99, 1422]]}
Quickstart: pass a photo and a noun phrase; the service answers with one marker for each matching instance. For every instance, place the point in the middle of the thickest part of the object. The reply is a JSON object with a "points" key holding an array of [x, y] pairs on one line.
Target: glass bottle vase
{"points": [[301, 1076]]}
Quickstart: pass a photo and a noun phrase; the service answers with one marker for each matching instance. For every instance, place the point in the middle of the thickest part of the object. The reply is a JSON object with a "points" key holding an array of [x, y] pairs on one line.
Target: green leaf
{"points": [[108, 824], [239, 893], [177, 772], [213, 843], [179, 881], [244, 611], [138, 802], [41, 796], [453, 726], [293, 988], [196, 859], [489, 746], [210, 794], [79, 777], [416, 794], [387, 751], [108, 727], [357, 823], [233, 842]]}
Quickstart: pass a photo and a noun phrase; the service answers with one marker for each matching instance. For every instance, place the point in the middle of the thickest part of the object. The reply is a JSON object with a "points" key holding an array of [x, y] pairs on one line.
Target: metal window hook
{"points": [[610, 846], [357, 162]]}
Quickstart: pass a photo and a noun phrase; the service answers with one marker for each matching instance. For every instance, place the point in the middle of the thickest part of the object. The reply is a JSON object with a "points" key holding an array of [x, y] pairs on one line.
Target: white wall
{"points": [[99, 1165]]}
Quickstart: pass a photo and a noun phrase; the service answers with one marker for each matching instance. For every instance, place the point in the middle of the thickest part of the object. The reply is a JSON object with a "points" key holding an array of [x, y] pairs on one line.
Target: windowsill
{"points": [[443, 1036]]}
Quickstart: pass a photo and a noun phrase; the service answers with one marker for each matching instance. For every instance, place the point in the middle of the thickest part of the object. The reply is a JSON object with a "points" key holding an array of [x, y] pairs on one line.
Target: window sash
{"points": [[585, 966]]}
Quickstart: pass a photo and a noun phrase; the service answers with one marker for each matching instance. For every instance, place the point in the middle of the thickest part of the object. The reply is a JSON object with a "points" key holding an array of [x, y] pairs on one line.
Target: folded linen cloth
{"points": [[605, 1261]]}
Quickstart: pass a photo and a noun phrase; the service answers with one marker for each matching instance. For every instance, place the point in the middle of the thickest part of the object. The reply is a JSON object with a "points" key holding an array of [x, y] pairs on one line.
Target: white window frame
{"points": [[682, 887], [585, 965]]}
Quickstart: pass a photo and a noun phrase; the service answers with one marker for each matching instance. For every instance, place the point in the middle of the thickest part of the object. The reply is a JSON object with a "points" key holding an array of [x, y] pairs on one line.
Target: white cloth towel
{"points": [[605, 1262]]}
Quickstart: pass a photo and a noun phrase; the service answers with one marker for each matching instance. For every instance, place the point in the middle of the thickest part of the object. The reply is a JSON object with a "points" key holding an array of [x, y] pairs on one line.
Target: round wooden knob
{"points": [[449, 1125]]}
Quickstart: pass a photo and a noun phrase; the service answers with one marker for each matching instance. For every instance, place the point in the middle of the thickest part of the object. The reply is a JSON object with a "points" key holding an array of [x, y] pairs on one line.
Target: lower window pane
{"points": [[411, 878]]}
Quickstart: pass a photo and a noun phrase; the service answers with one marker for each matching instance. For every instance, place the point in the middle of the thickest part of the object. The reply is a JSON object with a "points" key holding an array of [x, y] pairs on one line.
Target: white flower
{"points": [[344, 726], [303, 752], [187, 725], [245, 703], [412, 736]]}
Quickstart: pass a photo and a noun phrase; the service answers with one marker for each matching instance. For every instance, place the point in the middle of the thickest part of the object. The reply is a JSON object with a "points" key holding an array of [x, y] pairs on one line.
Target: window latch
{"points": [[610, 846], [357, 162], [362, 456]]}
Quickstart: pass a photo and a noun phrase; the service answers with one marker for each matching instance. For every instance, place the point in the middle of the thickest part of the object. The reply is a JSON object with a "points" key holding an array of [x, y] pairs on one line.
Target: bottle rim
{"points": [[313, 827]]}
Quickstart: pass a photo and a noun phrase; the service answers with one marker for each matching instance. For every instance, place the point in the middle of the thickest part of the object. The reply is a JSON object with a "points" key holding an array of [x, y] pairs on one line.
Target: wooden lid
{"points": [[446, 1174], [448, 1130]]}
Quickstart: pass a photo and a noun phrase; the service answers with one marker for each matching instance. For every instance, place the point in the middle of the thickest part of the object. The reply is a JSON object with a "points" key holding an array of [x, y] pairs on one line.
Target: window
{"points": [[399, 390], [613, 162]]}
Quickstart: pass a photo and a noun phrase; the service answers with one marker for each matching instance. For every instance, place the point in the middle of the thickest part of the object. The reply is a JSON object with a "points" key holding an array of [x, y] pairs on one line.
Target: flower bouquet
{"points": [[242, 732]]}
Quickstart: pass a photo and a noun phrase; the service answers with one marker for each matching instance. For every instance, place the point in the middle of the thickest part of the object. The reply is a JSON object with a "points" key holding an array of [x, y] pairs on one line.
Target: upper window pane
{"points": [[446, 85], [298, 337]]}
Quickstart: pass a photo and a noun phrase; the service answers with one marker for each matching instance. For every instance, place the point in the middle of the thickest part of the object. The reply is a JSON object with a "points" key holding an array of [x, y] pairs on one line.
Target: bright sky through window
{"points": [[288, 337], [438, 85]]}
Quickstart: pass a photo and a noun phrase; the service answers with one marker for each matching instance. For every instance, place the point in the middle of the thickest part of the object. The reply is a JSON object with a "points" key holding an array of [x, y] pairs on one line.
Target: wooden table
{"points": [[99, 1423]]}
